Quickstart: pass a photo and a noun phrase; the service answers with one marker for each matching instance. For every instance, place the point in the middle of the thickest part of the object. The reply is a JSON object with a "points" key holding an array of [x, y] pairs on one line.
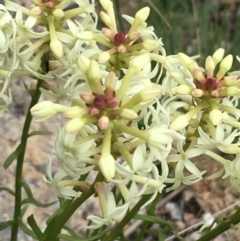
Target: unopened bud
{"points": [[228, 80], [87, 35], [111, 81], [106, 19], [150, 44], [103, 122], [218, 55], [197, 93], [104, 57], [199, 75], [128, 114], [149, 94], [83, 63], [58, 13], [74, 125], [186, 61], [56, 47], [108, 33], [87, 97], [107, 166], [75, 111], [139, 62], [142, 14], [182, 90], [225, 65], [215, 116], [35, 11]]}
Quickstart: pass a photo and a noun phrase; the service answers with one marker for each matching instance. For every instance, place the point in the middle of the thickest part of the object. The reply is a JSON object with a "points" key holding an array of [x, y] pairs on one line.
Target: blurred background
{"points": [[191, 26]]}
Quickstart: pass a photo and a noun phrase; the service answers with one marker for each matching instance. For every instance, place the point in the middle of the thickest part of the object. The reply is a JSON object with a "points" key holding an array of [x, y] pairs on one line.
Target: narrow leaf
{"points": [[39, 133], [32, 223], [7, 190], [6, 224], [32, 200], [92, 238], [26, 230], [70, 231], [12, 157]]}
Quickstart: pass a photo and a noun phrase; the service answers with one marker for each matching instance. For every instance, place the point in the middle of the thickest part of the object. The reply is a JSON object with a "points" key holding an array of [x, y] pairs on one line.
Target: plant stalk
{"points": [[20, 160]]}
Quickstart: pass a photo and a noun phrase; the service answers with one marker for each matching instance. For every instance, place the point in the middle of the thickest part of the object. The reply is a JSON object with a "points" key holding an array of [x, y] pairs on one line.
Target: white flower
{"points": [[182, 160], [45, 110], [181, 179], [222, 141], [55, 182], [142, 161], [113, 213]]}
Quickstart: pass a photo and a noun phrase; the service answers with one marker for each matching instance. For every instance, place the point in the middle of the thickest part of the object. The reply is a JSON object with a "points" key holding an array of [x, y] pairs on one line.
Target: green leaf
{"points": [[31, 221], [70, 231], [92, 238], [26, 230], [32, 200], [153, 220], [40, 133], [26, 88], [12, 157], [6, 224], [7, 190], [23, 210]]}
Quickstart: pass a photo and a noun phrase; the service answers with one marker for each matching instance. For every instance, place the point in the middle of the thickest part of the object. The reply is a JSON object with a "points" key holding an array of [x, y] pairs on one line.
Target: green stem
{"points": [[127, 218], [20, 159], [66, 214], [57, 223], [234, 219]]}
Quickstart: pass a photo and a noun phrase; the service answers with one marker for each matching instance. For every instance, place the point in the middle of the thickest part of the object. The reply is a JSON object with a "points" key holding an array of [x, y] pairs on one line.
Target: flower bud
{"points": [[215, 116], [139, 62], [128, 114], [232, 91], [106, 19], [35, 11], [225, 65], [108, 33], [228, 80], [199, 75], [186, 61], [58, 13], [150, 44], [182, 90], [107, 166], [94, 72], [83, 63], [104, 57], [142, 14], [87, 97], [75, 111], [45, 110], [209, 66], [87, 35], [179, 123], [197, 93], [103, 122], [218, 55], [110, 82], [106, 4], [74, 125], [134, 35], [56, 47], [149, 94]]}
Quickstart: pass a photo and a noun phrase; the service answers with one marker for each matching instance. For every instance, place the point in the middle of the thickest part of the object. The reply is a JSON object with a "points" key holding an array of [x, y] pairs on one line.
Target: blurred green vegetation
{"points": [[196, 26]]}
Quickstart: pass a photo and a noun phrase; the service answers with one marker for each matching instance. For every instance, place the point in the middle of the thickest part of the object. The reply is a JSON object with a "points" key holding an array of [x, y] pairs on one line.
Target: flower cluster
{"points": [[137, 134]]}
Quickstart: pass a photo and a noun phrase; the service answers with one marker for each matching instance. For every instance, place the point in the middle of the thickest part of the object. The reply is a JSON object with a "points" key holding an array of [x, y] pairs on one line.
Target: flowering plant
{"points": [[135, 117]]}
